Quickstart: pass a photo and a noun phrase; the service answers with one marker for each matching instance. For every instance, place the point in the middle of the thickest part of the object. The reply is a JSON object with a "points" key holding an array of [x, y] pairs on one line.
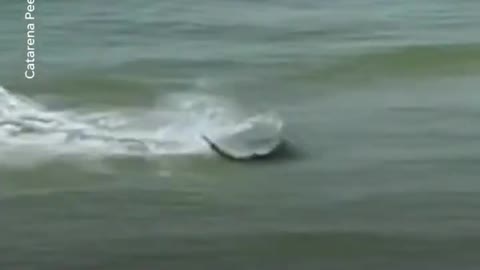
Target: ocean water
{"points": [[379, 101]]}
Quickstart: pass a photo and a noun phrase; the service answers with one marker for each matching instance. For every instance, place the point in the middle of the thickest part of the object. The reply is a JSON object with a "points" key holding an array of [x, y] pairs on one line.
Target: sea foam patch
{"points": [[174, 127]]}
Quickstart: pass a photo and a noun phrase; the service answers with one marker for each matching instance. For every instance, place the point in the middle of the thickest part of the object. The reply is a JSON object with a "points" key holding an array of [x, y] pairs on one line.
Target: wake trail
{"points": [[174, 127]]}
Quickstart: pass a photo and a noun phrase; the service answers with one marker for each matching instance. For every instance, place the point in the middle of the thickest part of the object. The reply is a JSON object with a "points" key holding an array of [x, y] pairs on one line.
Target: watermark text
{"points": [[30, 20]]}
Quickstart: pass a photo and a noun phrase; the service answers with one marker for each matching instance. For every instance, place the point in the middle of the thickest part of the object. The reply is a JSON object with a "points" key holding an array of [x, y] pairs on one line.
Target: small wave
{"points": [[410, 62], [174, 127]]}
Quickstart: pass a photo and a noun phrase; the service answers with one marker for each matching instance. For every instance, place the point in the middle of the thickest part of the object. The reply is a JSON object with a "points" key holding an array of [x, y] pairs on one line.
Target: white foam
{"points": [[174, 127]]}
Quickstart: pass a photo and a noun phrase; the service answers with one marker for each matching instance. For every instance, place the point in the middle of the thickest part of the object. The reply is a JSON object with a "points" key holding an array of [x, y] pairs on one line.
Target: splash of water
{"points": [[175, 129]]}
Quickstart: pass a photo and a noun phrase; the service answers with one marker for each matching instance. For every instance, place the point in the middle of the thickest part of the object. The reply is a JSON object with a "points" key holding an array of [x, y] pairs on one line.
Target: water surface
{"points": [[379, 99]]}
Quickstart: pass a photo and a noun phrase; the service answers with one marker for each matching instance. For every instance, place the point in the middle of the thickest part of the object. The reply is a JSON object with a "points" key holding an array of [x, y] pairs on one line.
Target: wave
{"points": [[173, 127], [409, 61]]}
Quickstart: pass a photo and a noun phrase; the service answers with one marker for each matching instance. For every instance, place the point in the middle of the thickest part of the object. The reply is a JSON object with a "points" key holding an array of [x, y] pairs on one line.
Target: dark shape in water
{"points": [[254, 156]]}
